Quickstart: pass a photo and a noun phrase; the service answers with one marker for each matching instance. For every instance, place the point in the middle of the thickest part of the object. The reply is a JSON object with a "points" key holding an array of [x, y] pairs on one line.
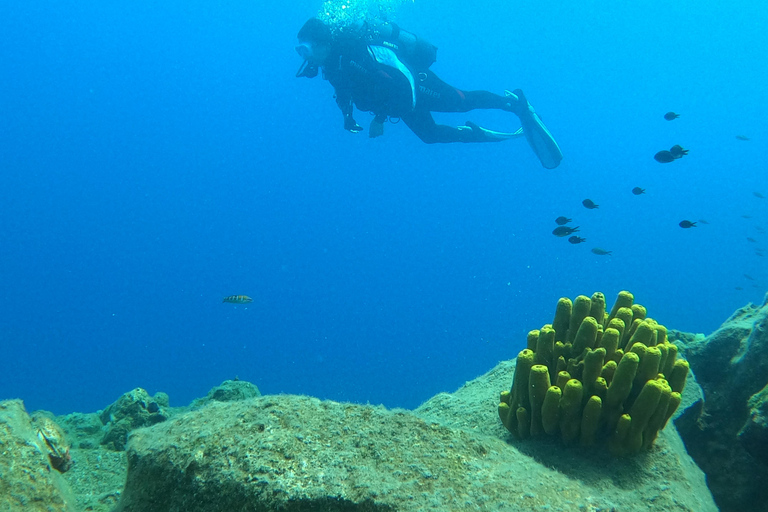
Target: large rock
{"points": [[728, 437], [298, 453], [132, 410], [28, 479]]}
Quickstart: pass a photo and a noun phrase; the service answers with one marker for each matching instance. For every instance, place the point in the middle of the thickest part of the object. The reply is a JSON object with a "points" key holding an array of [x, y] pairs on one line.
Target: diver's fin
{"points": [[485, 135], [541, 141]]}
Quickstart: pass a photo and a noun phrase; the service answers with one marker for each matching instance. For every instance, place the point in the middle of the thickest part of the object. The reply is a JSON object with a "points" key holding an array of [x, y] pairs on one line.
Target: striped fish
{"points": [[238, 299]]}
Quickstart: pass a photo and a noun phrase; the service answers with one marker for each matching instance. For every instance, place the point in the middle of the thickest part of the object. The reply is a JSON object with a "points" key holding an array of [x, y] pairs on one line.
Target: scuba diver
{"points": [[382, 69]]}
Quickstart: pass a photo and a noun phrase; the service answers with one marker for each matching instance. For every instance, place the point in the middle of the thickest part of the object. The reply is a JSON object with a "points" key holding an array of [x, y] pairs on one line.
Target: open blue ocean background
{"points": [[156, 157]]}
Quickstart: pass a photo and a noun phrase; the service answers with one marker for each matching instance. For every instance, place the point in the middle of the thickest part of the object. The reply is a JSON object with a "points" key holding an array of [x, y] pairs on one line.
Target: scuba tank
{"points": [[410, 48]]}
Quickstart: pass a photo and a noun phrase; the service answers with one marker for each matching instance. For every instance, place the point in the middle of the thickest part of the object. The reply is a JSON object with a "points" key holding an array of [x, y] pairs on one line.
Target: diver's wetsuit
{"points": [[359, 79], [434, 95]]}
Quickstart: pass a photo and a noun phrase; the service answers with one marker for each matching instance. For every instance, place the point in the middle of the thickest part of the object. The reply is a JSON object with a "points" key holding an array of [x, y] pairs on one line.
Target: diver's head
{"points": [[314, 46]]}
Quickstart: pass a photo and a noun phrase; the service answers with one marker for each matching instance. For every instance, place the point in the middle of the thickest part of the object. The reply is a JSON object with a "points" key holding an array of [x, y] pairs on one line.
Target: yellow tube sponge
{"points": [[659, 417], [641, 413], [590, 420], [523, 418], [562, 318], [610, 342], [620, 388], [518, 396], [649, 366], [678, 375], [617, 380], [618, 442], [586, 336], [593, 365], [533, 338], [550, 410], [624, 300], [545, 349], [538, 384], [570, 410], [581, 307], [597, 307]]}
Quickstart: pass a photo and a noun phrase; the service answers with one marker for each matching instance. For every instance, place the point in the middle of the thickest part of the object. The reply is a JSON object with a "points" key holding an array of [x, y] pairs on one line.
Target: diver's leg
{"points": [[438, 96], [424, 126]]}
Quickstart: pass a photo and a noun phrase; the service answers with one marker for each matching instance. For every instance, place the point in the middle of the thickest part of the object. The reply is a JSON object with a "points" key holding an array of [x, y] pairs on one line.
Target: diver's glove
{"points": [[351, 125], [376, 129]]}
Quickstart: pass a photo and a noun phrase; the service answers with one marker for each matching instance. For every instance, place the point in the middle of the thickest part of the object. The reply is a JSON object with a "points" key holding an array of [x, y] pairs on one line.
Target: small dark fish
{"points": [[702, 221], [739, 288], [237, 299], [671, 116], [745, 216], [576, 239], [759, 229], [678, 151], [564, 231], [589, 204], [601, 252], [749, 277], [687, 224], [637, 191], [759, 253], [664, 157], [758, 195], [561, 221], [750, 239], [742, 137]]}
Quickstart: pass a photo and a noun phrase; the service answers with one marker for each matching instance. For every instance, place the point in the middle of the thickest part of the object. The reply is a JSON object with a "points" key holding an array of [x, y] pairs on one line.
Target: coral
{"points": [[616, 377]]}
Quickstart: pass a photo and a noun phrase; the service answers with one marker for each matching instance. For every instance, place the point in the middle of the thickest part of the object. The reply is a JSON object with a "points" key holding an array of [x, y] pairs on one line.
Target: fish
{"points": [[749, 277], [637, 191], [702, 221], [742, 137], [739, 288], [560, 221], [671, 116], [746, 216], [564, 231], [237, 299], [678, 151], [758, 195], [664, 157], [759, 229], [576, 239], [601, 252], [687, 224], [590, 204], [750, 239]]}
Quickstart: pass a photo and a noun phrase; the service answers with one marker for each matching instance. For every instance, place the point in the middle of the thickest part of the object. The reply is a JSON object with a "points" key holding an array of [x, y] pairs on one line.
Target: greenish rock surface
{"points": [[27, 481], [132, 410], [298, 453], [228, 391], [754, 434], [727, 436]]}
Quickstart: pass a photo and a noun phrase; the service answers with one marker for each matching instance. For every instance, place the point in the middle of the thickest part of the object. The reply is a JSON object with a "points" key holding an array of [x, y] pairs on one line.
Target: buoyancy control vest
{"points": [[415, 52]]}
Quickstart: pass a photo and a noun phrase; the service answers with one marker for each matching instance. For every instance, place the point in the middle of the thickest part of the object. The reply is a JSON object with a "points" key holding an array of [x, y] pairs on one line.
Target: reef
{"points": [[727, 434], [132, 410], [284, 452], [594, 377]]}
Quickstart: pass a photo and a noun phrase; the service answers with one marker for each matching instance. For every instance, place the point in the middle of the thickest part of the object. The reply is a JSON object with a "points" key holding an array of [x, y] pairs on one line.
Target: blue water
{"points": [[158, 156]]}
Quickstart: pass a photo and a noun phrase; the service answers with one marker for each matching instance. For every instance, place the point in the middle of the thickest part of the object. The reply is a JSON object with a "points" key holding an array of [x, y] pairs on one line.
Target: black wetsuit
{"points": [[359, 79]]}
